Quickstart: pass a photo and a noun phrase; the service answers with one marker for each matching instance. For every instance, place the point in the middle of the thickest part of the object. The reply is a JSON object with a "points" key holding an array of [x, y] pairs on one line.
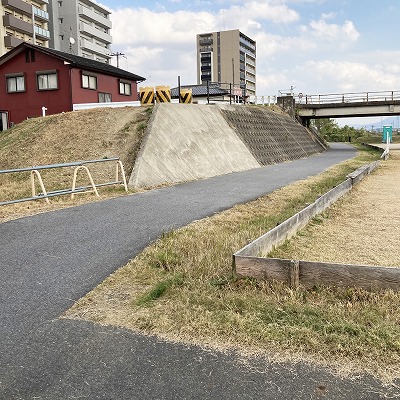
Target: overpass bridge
{"points": [[363, 104]]}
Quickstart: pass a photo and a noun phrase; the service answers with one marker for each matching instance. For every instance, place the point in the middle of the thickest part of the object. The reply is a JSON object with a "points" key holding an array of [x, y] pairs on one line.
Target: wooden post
{"points": [[294, 274]]}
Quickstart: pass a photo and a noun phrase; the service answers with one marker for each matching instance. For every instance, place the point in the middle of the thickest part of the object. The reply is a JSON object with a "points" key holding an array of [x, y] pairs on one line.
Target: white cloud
{"points": [[346, 76], [339, 34], [330, 15], [261, 10], [161, 45]]}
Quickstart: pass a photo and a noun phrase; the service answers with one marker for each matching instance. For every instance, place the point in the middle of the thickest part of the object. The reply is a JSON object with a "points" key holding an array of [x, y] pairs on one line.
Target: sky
{"points": [[315, 46]]}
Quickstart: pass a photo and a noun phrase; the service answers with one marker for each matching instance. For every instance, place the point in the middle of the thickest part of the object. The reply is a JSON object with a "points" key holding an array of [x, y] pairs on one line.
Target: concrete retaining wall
{"points": [[187, 142]]}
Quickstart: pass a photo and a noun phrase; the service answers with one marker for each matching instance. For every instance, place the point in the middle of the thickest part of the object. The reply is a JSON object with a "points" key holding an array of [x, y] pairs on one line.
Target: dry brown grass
{"points": [[182, 289], [361, 228], [74, 136]]}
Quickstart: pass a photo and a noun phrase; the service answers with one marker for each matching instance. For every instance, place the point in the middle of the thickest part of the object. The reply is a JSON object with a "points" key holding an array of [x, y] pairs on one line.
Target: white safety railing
{"points": [[360, 97], [78, 166]]}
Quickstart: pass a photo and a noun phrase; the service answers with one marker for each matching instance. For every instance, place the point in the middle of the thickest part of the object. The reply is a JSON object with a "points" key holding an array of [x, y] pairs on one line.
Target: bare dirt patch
{"points": [[361, 228]]}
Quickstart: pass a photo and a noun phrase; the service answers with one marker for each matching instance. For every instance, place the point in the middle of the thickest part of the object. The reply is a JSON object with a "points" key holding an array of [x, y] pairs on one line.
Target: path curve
{"points": [[50, 260]]}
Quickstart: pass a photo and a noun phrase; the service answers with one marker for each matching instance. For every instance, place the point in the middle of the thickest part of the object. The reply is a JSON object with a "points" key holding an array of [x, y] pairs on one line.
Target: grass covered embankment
{"points": [[63, 138]]}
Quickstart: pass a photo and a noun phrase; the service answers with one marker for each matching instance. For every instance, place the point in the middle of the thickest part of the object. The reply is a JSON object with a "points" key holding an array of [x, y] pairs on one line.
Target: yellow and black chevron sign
{"points": [[186, 95], [163, 94], [146, 95]]}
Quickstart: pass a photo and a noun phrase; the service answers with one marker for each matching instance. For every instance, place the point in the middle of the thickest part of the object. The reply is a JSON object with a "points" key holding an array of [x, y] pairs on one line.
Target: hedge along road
{"points": [[50, 260]]}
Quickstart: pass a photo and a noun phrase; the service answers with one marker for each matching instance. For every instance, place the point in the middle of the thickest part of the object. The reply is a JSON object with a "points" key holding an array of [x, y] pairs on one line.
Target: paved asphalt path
{"points": [[50, 260]]}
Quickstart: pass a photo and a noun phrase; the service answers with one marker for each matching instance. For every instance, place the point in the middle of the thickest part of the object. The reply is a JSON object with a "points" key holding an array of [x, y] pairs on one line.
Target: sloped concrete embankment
{"points": [[187, 142]]}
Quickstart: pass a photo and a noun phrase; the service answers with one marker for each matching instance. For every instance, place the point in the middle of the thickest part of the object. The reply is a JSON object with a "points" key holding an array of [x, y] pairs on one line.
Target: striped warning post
{"points": [[163, 94], [146, 95], [186, 96]]}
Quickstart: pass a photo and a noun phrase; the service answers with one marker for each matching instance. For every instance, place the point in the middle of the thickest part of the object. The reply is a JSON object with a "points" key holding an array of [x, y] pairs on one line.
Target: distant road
{"points": [[50, 260]]}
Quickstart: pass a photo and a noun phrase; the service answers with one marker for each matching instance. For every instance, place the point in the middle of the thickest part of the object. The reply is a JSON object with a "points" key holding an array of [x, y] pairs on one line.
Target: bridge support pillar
{"points": [[287, 103]]}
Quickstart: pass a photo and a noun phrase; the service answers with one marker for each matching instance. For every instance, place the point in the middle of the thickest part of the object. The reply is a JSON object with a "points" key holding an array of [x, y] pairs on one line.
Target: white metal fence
{"points": [[78, 166]]}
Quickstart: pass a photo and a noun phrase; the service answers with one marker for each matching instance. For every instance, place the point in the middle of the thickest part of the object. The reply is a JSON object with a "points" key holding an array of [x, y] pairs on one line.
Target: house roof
{"points": [[201, 90], [76, 61]]}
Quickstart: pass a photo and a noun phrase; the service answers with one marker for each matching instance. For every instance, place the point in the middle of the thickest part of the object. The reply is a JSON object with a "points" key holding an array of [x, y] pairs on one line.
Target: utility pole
{"points": [[117, 54], [233, 72], [233, 80]]}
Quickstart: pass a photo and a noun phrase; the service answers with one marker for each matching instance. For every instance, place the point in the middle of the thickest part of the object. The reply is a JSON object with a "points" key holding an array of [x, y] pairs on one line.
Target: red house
{"points": [[33, 77]]}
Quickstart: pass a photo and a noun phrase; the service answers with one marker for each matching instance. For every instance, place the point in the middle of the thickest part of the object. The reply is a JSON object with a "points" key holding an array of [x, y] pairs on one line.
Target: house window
{"points": [[89, 81], [47, 80], [15, 83], [104, 97], [125, 88]]}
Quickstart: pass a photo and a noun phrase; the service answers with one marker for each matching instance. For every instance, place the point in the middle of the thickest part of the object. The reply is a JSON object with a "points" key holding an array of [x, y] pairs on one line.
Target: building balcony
{"points": [[251, 79], [250, 61], [205, 49], [247, 43], [205, 42], [92, 31], [11, 41], [205, 57], [94, 48], [17, 24], [205, 77], [90, 15], [18, 5], [40, 14], [41, 33], [250, 86]]}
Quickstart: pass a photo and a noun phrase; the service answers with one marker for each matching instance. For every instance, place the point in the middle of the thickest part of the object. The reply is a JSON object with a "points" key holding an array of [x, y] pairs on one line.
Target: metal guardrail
{"points": [[79, 165], [336, 98]]}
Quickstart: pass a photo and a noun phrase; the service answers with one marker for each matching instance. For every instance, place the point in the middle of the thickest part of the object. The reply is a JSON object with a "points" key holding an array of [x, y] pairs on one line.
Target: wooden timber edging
{"points": [[247, 261], [313, 273]]}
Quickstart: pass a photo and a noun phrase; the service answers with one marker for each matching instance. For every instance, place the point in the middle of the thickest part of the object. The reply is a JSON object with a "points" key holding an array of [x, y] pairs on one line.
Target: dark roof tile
{"points": [[77, 61], [201, 90]]}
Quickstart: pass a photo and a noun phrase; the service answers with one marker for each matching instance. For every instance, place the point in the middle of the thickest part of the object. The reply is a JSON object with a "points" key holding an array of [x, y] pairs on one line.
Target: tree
{"points": [[325, 126]]}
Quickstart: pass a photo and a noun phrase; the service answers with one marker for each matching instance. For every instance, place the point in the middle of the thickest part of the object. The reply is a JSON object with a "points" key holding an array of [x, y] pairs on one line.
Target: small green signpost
{"points": [[387, 134]]}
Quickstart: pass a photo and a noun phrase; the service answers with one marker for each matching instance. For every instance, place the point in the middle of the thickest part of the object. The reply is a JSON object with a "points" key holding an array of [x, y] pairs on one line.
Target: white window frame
{"points": [[107, 98], [15, 83], [89, 81], [46, 80], [123, 86]]}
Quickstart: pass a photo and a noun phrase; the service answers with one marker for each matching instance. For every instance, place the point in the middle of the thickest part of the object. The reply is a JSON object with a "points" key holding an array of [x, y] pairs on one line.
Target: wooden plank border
{"points": [[247, 261], [313, 273]]}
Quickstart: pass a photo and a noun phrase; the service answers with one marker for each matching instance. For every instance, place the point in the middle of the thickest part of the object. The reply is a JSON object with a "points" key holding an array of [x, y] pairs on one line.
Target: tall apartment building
{"points": [[81, 27], [23, 20], [227, 57]]}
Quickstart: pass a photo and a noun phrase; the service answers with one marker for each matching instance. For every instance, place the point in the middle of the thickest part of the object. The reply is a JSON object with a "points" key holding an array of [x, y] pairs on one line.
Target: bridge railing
{"points": [[360, 97]]}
